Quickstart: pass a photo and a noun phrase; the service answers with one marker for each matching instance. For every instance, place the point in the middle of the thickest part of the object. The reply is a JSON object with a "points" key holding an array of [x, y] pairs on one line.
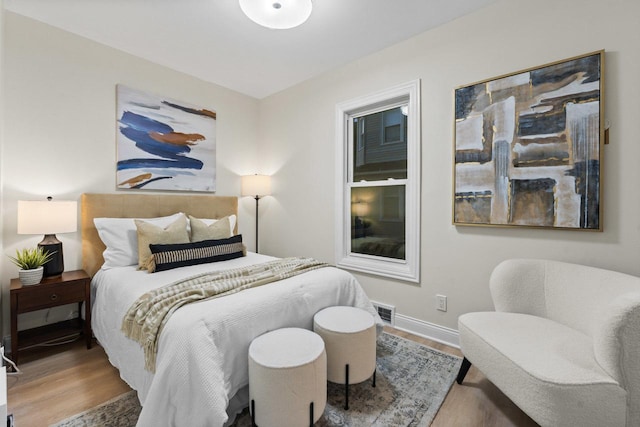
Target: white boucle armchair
{"points": [[563, 343]]}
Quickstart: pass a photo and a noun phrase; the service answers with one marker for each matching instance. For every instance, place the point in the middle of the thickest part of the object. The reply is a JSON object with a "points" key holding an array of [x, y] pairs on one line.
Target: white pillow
{"points": [[232, 223], [120, 237]]}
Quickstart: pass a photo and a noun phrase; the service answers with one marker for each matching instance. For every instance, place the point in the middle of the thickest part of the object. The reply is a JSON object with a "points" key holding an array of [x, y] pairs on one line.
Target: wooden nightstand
{"points": [[70, 287]]}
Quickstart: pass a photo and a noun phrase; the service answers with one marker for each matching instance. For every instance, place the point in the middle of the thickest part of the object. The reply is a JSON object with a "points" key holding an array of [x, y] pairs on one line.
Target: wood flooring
{"points": [[61, 381]]}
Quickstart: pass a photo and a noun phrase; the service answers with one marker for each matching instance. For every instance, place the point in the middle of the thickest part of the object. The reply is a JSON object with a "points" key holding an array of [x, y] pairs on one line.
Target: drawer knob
{"points": [[54, 297]]}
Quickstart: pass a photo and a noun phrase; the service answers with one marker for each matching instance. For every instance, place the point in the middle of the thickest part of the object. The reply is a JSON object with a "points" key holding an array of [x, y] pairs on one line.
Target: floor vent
{"points": [[387, 312]]}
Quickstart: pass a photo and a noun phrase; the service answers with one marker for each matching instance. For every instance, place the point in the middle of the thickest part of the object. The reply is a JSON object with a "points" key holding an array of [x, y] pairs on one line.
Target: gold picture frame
{"points": [[528, 147]]}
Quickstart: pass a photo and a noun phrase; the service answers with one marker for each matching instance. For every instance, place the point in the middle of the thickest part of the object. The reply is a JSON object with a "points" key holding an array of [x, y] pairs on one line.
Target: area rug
{"points": [[121, 411], [412, 382]]}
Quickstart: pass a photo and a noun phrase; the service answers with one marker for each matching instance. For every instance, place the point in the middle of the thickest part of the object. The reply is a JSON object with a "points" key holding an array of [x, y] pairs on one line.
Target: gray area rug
{"points": [[121, 411], [411, 384]]}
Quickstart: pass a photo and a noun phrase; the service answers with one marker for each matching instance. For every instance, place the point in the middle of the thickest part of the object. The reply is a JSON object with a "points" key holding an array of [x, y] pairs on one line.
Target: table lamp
{"points": [[48, 217], [256, 186]]}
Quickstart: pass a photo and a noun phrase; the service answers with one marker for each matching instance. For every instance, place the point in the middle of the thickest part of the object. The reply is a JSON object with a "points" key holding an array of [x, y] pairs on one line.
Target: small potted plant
{"points": [[31, 262]]}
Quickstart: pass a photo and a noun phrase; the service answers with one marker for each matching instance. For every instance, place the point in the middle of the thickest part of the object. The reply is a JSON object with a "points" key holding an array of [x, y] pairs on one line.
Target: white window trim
{"points": [[409, 268]]}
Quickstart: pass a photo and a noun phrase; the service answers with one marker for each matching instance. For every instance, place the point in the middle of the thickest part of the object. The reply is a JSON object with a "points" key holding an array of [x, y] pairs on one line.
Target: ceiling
{"points": [[214, 41]]}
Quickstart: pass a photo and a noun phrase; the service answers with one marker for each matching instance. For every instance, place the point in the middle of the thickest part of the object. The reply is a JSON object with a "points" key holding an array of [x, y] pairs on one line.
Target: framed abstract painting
{"points": [[528, 147], [163, 144]]}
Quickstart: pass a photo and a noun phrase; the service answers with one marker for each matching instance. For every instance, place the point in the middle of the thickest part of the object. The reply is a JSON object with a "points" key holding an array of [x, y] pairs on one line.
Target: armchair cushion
{"points": [[546, 350], [563, 343]]}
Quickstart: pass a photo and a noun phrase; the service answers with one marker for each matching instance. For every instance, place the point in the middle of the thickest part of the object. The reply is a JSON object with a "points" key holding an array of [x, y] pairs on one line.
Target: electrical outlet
{"points": [[441, 302]]}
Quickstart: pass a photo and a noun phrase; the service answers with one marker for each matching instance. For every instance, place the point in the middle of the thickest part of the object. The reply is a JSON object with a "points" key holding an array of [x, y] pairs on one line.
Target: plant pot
{"points": [[30, 277]]}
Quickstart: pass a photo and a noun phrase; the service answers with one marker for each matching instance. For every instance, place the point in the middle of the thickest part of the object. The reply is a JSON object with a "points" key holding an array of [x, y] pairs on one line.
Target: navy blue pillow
{"points": [[167, 257]]}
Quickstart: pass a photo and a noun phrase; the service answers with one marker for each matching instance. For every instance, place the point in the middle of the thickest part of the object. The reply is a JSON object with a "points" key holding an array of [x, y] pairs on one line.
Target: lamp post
{"points": [[257, 186]]}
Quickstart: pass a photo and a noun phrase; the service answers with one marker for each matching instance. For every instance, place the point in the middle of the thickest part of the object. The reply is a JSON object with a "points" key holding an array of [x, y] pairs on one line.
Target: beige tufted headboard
{"points": [[142, 206]]}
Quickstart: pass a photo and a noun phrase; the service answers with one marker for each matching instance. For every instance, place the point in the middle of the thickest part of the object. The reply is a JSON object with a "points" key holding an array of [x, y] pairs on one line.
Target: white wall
{"points": [[60, 129], [297, 145], [59, 139], [2, 38]]}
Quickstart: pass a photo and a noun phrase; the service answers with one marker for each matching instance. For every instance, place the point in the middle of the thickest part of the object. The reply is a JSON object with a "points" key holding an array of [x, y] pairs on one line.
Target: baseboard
{"points": [[428, 330]]}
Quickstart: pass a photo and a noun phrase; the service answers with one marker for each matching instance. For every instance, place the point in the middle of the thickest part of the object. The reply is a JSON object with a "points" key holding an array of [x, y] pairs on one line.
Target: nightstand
{"points": [[69, 287]]}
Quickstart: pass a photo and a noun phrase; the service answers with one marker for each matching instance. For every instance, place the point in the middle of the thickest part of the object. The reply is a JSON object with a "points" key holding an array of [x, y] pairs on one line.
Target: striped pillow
{"points": [[167, 257]]}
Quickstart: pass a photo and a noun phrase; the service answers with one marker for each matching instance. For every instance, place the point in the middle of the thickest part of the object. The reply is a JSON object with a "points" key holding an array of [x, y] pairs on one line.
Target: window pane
{"points": [[378, 221], [380, 146], [394, 123], [392, 134]]}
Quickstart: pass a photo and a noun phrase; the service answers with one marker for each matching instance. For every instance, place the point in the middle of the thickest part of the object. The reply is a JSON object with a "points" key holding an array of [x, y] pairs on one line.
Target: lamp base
{"points": [[55, 266]]}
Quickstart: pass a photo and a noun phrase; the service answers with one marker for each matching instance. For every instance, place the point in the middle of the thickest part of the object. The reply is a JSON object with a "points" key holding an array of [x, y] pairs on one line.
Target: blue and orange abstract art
{"points": [[164, 144]]}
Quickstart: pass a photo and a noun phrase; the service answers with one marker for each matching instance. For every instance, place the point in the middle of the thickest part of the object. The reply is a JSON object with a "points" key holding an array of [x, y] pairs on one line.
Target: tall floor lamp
{"points": [[256, 186]]}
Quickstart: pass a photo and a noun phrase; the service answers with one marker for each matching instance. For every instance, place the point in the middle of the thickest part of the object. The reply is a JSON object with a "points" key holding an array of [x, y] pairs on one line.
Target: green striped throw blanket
{"points": [[148, 315]]}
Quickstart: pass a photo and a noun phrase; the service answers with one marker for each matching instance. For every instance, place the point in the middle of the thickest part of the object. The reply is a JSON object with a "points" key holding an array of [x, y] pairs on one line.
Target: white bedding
{"points": [[202, 351]]}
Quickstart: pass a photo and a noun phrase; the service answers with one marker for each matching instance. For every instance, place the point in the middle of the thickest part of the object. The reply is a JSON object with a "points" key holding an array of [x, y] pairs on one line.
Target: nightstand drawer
{"points": [[51, 296], [69, 287]]}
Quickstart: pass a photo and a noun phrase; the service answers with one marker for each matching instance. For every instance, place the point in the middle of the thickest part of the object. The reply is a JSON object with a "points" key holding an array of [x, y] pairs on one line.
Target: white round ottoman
{"points": [[349, 335], [287, 378]]}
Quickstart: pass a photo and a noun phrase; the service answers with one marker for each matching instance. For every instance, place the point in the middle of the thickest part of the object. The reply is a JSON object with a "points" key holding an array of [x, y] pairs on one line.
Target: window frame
{"points": [[409, 268]]}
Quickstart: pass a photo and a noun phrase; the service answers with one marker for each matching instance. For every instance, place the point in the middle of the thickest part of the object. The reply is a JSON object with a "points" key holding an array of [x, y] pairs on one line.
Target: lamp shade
{"points": [[277, 14], [361, 208], [256, 185], [47, 217]]}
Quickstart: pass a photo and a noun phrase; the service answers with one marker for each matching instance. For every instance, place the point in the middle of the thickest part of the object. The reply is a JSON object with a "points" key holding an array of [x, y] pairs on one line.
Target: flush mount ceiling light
{"points": [[277, 14]]}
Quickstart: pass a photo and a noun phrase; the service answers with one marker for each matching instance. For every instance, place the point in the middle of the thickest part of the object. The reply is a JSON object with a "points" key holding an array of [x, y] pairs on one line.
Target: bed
{"points": [[201, 370]]}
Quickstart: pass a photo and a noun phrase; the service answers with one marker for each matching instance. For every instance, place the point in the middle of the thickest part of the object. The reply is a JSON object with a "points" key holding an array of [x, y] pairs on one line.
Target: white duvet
{"points": [[202, 351]]}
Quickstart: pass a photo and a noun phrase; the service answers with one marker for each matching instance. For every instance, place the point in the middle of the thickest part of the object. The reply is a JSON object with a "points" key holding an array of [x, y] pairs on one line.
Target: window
{"points": [[378, 184]]}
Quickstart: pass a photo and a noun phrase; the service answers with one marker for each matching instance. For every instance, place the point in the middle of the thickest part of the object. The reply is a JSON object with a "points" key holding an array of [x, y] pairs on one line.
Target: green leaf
{"points": [[29, 259]]}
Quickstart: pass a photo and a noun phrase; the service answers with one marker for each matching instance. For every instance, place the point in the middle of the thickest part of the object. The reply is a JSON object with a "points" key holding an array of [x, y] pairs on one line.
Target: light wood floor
{"points": [[477, 402], [62, 381]]}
